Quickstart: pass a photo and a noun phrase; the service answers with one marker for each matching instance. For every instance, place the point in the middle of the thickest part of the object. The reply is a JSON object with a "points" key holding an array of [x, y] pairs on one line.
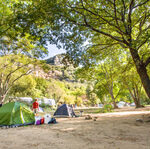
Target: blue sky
{"points": [[53, 50]]}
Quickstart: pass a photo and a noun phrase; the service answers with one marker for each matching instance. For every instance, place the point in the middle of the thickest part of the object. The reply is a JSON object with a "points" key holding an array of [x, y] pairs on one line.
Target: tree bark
{"points": [[135, 98], [142, 71], [115, 105], [137, 103], [114, 102], [2, 98]]}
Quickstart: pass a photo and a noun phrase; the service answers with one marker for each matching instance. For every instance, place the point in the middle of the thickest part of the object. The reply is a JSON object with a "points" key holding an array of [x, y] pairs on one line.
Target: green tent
{"points": [[16, 114]]}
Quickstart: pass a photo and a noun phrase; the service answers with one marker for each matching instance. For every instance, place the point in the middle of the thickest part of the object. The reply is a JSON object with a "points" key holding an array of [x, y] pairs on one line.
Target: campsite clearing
{"points": [[119, 130]]}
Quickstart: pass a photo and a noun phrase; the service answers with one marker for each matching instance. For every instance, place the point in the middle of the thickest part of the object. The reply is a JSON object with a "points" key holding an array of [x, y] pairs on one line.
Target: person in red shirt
{"points": [[35, 107]]}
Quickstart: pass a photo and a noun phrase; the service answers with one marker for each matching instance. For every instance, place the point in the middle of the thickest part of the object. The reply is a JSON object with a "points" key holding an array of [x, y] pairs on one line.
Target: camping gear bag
{"points": [[47, 118], [38, 122], [52, 121], [42, 120]]}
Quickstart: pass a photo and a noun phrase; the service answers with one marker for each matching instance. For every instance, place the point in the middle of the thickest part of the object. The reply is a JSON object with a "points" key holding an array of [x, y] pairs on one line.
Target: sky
{"points": [[53, 50]]}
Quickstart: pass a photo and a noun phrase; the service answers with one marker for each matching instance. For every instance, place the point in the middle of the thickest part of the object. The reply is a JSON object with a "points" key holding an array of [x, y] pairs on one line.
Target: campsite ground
{"points": [[119, 130]]}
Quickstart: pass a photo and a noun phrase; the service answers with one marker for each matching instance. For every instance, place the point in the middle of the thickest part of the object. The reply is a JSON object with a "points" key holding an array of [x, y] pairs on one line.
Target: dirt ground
{"points": [[124, 129]]}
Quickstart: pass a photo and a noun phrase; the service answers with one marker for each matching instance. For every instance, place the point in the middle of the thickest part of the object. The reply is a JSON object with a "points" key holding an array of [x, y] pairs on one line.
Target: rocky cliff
{"points": [[56, 70], [56, 60]]}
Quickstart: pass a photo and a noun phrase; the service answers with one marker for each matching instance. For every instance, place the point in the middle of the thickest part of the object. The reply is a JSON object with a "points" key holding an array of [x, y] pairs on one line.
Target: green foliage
{"points": [[66, 92], [43, 105], [55, 90], [69, 99], [12, 68], [45, 67], [78, 101], [78, 92], [108, 108], [104, 23], [15, 34], [109, 27], [91, 96], [42, 85], [24, 87]]}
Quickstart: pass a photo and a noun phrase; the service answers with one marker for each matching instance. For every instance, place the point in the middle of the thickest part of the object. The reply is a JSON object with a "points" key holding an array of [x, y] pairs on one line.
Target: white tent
{"points": [[121, 104], [50, 102], [26, 99]]}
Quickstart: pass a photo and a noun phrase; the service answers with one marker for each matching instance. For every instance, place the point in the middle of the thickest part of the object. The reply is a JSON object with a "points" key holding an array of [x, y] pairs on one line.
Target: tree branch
{"points": [[141, 25], [142, 43], [147, 62], [28, 72], [129, 18], [140, 4], [118, 93], [100, 16], [99, 31], [8, 76]]}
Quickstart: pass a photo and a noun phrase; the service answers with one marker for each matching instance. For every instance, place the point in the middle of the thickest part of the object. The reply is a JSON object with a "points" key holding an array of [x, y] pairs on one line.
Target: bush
{"points": [[107, 108]]}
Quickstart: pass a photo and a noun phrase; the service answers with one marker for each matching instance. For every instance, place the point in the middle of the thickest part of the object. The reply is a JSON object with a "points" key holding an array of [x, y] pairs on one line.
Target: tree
{"points": [[91, 96], [133, 84], [15, 36], [42, 85], [25, 87], [55, 91], [68, 99], [18, 47], [107, 79], [105, 73], [69, 23], [12, 68], [78, 92], [78, 101], [118, 22]]}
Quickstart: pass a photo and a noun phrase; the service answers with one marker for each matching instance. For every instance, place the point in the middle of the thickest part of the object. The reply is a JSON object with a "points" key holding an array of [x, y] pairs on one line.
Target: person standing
{"points": [[35, 106]]}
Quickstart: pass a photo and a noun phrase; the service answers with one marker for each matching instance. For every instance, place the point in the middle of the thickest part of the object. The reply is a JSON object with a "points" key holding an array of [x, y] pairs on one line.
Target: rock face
{"points": [[55, 74], [56, 60], [57, 70]]}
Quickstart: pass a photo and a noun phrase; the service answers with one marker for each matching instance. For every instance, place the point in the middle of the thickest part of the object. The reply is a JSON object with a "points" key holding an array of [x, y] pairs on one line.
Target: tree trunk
{"points": [[141, 69], [115, 105], [135, 98], [137, 103], [114, 102], [2, 98]]}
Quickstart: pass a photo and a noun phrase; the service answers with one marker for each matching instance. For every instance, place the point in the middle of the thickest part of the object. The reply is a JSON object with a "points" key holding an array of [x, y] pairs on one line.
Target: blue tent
{"points": [[64, 111]]}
